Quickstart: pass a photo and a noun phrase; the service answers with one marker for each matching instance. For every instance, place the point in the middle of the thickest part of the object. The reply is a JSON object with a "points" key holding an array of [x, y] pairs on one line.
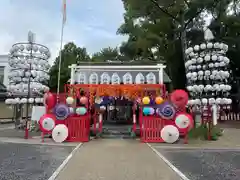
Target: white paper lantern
{"points": [[210, 65], [23, 101], [200, 73], [209, 45], [216, 45], [207, 58], [188, 75], [216, 64], [229, 101], [214, 58], [8, 101], [222, 64], [199, 60], [204, 101], [225, 47], [212, 101], [14, 101], [218, 101], [196, 48], [190, 50], [194, 74], [226, 60], [220, 58], [203, 46], [207, 73], [225, 100], [221, 45], [38, 100], [192, 54], [17, 100], [189, 88]]}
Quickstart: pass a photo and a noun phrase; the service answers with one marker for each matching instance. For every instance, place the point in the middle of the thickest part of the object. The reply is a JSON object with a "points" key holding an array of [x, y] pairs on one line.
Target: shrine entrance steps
{"points": [[116, 131], [116, 159]]}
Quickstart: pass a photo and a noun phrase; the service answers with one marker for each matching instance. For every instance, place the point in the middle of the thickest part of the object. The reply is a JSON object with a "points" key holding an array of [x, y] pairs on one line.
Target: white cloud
{"points": [[90, 23]]}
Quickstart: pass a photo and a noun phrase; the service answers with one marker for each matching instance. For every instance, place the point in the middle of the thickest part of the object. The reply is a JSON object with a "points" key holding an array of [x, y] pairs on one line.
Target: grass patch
{"points": [[201, 132]]}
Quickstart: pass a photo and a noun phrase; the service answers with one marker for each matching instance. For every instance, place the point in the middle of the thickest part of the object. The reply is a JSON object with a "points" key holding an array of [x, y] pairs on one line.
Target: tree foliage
{"points": [[168, 26], [160, 30], [71, 54], [106, 54]]}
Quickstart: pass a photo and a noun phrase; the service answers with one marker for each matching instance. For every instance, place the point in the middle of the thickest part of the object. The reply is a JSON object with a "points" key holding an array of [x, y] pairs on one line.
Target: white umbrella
{"points": [[60, 133], [170, 134], [48, 124], [182, 121]]}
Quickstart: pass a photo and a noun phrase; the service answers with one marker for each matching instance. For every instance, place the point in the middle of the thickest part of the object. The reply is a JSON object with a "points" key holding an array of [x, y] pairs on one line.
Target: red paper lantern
{"points": [[49, 100], [179, 98]]}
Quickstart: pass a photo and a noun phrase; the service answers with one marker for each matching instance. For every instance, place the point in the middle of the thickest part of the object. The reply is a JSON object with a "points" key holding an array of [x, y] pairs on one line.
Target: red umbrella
{"points": [[179, 98]]}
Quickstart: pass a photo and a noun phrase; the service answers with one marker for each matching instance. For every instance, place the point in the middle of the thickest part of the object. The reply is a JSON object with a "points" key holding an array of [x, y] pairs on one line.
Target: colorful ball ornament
{"points": [[152, 111], [166, 111], [61, 111], [146, 111], [159, 100], [83, 100], [81, 111], [69, 100], [146, 100], [47, 122]]}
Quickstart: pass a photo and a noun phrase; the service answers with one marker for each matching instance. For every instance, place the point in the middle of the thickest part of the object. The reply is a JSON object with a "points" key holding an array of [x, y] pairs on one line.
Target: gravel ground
{"points": [[205, 164], [30, 162], [15, 133]]}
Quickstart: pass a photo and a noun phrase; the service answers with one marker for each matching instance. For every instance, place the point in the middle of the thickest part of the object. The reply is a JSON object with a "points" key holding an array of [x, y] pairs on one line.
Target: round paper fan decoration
{"points": [[61, 111], [60, 133], [47, 122], [184, 120], [170, 134], [166, 110]]}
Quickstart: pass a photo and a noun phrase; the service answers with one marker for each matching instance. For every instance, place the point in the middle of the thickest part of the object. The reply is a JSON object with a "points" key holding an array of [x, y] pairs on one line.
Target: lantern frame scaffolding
{"points": [[28, 55]]}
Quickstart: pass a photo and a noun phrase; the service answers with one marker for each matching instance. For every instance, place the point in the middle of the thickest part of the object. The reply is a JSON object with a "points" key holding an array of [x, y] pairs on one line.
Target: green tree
{"points": [[164, 25], [71, 54], [106, 54]]}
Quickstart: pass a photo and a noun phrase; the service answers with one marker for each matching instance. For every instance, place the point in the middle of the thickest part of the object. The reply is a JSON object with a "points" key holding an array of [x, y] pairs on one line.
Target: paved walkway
{"points": [[116, 159]]}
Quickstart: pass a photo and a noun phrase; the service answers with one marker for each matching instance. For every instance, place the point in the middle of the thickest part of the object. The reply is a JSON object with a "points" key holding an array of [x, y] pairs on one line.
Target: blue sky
{"points": [[90, 23]]}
